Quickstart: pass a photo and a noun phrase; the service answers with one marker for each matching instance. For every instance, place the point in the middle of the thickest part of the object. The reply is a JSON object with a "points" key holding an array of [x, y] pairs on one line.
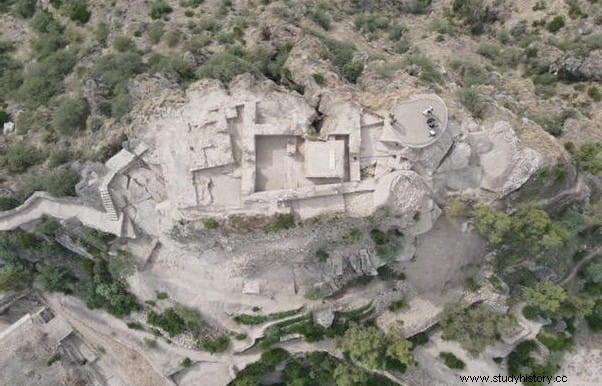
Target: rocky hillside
{"points": [[71, 72]]}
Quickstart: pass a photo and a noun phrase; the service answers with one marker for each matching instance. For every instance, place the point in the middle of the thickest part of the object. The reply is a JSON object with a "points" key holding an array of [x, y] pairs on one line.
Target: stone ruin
{"points": [[255, 148]]}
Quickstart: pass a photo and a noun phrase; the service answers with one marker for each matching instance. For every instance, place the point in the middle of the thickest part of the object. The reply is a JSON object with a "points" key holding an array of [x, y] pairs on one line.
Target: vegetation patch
{"points": [[249, 319], [452, 361], [474, 328], [177, 320]]}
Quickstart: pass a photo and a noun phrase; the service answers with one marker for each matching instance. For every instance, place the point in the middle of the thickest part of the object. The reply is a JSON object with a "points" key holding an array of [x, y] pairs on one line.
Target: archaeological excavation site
{"points": [[258, 193]]}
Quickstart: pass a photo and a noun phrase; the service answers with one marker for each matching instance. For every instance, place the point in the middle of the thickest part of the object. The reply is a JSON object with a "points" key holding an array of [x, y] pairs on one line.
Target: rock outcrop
{"points": [[578, 69]]}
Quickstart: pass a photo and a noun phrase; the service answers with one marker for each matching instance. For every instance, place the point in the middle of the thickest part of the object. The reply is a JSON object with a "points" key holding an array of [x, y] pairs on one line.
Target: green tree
{"points": [[474, 327], [347, 375], [593, 273], [70, 116], [365, 344], [120, 301], [401, 350], [491, 224], [545, 296]]}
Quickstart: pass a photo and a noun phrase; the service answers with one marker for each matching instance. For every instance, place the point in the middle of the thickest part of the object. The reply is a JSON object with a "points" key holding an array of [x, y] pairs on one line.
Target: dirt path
{"points": [[583, 261]]}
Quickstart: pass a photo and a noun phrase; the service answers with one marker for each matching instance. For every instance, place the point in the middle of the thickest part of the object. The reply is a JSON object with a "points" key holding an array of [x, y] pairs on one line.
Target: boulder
{"points": [[577, 69], [506, 165]]}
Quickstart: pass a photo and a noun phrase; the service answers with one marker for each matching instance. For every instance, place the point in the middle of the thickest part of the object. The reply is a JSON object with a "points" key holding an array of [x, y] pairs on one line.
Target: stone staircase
{"points": [[107, 202]]}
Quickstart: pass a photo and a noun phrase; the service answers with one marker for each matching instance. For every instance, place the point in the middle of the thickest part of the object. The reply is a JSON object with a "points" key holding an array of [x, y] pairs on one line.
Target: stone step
{"points": [[108, 204]]}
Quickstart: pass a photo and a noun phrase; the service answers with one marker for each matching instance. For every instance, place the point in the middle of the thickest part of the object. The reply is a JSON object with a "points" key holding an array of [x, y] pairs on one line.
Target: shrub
{"points": [[121, 104], [339, 53], [70, 116], [172, 38], [589, 158], [419, 339], [555, 24], [174, 67], [396, 32], [14, 275], [471, 73], [452, 361], [322, 255], [283, 222], [24, 8], [471, 99], [115, 297], [101, 32], [489, 50], [61, 182], [162, 295], [59, 157], [352, 71], [224, 66], [420, 7], [594, 320], [397, 305], [210, 223], [77, 10], [40, 83], [7, 203], [456, 209], [186, 362], [4, 117], [402, 46], [321, 18], [315, 293], [594, 94], [428, 71], [117, 69], [217, 345], [135, 326], [54, 358], [370, 23], [44, 22], [160, 8], [319, 78], [177, 320], [124, 44], [54, 279], [475, 14], [554, 342], [156, 31], [21, 157]]}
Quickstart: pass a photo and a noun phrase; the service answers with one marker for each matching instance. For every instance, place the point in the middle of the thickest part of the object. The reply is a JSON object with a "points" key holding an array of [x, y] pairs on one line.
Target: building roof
{"points": [[325, 159]]}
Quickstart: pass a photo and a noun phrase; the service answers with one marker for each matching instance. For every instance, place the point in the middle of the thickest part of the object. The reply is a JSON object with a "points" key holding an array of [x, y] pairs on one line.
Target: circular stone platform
{"points": [[407, 122]]}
